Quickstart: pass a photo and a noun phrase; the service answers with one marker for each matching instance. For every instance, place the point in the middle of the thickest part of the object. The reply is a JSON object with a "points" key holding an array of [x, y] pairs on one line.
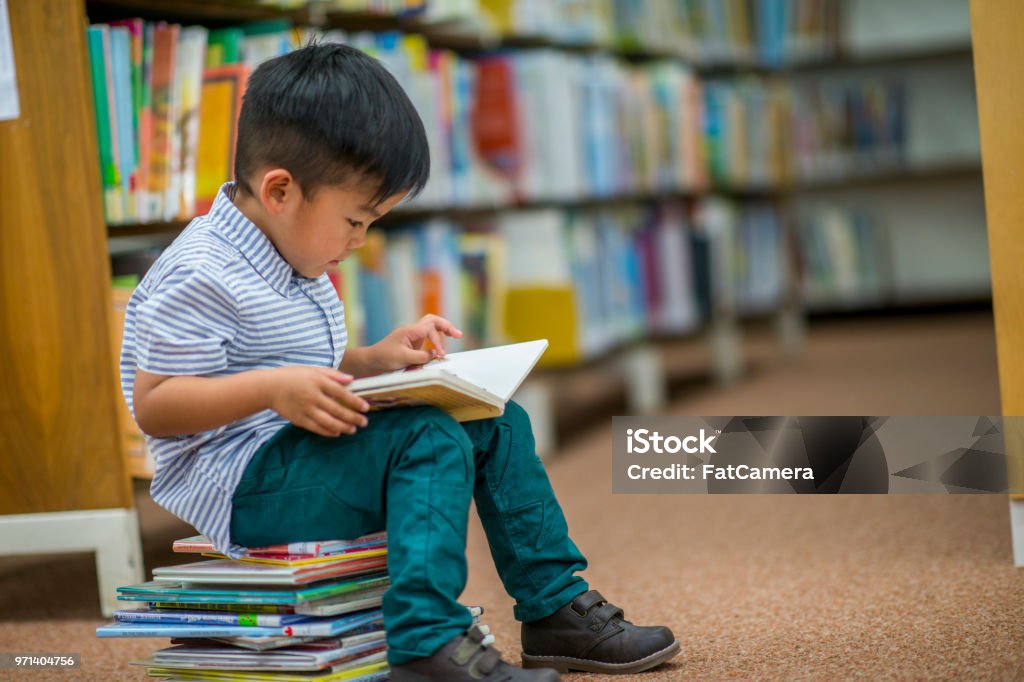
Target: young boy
{"points": [[234, 363]]}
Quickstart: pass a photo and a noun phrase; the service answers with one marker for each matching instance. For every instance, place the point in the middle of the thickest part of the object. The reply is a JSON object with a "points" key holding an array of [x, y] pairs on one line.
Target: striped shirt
{"points": [[218, 301]]}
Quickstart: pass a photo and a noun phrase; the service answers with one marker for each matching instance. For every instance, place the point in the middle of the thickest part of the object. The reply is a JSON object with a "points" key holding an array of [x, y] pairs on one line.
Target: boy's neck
{"points": [[252, 209]]}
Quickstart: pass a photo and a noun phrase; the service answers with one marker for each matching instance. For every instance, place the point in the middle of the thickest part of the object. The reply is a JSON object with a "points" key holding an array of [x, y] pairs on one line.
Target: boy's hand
{"points": [[315, 398], [404, 346]]}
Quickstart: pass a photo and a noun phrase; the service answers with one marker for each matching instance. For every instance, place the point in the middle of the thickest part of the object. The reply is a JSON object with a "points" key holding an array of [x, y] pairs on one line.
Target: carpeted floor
{"points": [[755, 587]]}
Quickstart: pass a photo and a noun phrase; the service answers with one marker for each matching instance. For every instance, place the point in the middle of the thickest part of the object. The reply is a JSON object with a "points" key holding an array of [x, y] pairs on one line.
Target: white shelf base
{"points": [[1017, 530], [113, 534], [644, 375]]}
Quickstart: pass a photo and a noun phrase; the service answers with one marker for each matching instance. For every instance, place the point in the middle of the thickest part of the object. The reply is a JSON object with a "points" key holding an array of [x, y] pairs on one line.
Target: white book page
{"points": [[499, 370]]}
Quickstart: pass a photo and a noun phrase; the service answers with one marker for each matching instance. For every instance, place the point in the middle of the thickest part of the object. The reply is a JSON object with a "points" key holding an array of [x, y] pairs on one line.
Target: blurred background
{"points": [[709, 207], [653, 186]]}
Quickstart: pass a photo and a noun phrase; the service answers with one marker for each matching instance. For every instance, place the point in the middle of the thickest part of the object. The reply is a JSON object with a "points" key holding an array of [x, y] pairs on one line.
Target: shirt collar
{"points": [[255, 246]]}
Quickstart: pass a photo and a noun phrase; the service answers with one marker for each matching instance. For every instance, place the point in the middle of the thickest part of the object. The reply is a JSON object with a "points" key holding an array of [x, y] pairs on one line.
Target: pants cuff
{"points": [[427, 647], [535, 610]]}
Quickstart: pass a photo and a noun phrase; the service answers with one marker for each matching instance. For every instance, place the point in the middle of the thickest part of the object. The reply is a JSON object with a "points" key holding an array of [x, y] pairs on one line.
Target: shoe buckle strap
{"points": [[583, 603], [602, 615], [464, 651], [483, 664]]}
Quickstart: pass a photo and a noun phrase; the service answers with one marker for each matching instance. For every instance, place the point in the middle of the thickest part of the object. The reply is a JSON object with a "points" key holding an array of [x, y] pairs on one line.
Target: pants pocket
{"points": [[530, 526], [298, 515]]}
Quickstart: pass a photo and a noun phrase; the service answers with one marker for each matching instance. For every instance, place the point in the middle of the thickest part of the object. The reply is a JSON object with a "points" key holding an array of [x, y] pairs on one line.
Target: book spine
{"points": [[331, 627], [183, 617], [97, 61], [185, 630], [239, 608]]}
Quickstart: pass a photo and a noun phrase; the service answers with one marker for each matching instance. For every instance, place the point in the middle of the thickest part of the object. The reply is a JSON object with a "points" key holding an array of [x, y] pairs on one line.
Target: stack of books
{"points": [[308, 611]]}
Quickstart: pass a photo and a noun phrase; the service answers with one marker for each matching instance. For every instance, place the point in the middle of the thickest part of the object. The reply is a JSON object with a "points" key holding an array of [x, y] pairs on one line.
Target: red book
{"points": [[494, 118]]}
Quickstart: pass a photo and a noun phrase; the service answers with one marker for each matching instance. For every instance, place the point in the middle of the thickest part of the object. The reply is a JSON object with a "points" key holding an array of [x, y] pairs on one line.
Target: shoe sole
{"points": [[566, 664]]}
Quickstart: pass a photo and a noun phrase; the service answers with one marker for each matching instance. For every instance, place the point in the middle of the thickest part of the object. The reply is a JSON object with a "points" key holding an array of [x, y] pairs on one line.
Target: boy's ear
{"points": [[278, 189]]}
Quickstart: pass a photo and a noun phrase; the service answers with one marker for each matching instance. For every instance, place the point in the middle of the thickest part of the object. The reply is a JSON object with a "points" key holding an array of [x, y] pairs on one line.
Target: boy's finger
{"points": [[447, 327], [336, 375], [437, 340], [417, 357], [345, 397], [342, 413], [324, 424]]}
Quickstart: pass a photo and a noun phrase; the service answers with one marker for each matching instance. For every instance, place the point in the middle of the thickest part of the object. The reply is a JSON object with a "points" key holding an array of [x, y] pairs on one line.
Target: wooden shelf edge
{"points": [[138, 468]]}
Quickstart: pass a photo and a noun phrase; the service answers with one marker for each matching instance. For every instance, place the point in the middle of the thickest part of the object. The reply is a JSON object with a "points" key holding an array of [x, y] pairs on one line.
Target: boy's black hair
{"points": [[330, 114]]}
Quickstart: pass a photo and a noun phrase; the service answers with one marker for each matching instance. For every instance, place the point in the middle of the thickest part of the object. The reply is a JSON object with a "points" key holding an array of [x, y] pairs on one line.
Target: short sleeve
{"points": [[185, 325]]}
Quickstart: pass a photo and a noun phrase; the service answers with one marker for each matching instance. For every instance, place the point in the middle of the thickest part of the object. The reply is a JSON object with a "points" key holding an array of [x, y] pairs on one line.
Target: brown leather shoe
{"points": [[466, 659], [591, 635]]}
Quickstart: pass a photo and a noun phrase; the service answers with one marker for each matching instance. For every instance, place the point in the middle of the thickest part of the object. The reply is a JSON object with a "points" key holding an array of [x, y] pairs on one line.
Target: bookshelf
{"points": [[471, 39]]}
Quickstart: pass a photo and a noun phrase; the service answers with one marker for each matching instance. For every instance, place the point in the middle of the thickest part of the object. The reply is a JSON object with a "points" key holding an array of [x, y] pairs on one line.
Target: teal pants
{"points": [[413, 472]]}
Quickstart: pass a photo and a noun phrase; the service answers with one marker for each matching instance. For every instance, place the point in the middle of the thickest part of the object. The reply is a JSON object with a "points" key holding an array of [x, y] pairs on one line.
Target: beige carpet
{"points": [[755, 587]]}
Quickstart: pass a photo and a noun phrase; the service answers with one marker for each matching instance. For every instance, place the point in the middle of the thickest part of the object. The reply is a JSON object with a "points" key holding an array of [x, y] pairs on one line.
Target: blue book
{"points": [[174, 591], [120, 63], [211, 618], [318, 627]]}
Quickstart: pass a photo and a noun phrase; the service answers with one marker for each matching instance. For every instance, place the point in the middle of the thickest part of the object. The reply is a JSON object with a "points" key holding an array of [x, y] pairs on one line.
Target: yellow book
{"points": [[221, 101]]}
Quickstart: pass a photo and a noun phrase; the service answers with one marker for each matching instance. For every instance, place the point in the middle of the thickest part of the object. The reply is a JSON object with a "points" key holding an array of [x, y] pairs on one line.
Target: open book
{"points": [[469, 385]]}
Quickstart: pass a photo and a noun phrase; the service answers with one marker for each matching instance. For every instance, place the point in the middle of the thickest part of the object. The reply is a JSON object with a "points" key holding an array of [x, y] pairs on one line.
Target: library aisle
{"points": [[755, 587]]}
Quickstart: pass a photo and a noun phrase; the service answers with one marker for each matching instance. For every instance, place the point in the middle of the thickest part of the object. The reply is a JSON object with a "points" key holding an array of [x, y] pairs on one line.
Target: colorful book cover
{"points": [[225, 47], [145, 133], [199, 544], [219, 106], [181, 617], [242, 645], [185, 140], [373, 284], [121, 81], [311, 628], [298, 658], [165, 47], [346, 558], [482, 277], [226, 571], [98, 36], [159, 591], [137, 32], [495, 120], [372, 672]]}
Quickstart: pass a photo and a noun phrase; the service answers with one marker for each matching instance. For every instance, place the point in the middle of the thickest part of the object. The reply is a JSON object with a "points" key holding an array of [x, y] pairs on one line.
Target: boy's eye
{"points": [[355, 223]]}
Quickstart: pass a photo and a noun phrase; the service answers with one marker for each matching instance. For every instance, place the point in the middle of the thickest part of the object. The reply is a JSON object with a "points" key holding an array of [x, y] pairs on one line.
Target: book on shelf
{"points": [[468, 385]]}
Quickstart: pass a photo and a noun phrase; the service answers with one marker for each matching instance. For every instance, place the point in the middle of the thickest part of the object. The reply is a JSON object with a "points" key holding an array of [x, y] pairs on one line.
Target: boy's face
{"points": [[314, 235]]}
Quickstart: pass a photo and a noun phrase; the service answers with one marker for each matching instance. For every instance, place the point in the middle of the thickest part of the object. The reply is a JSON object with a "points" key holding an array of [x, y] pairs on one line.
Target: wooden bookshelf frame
{"points": [[64, 485], [996, 26]]}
